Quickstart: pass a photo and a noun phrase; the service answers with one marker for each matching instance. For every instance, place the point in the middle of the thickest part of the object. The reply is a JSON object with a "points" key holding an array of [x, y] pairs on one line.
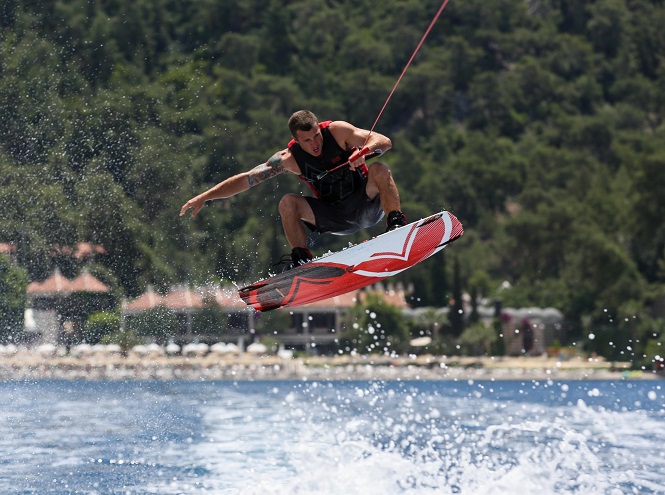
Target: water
{"points": [[346, 438]]}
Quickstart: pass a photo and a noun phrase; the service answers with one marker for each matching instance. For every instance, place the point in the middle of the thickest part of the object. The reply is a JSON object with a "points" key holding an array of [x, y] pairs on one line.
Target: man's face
{"points": [[310, 141]]}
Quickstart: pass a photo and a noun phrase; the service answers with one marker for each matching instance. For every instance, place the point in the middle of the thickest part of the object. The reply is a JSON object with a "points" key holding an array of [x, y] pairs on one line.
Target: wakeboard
{"points": [[355, 267]]}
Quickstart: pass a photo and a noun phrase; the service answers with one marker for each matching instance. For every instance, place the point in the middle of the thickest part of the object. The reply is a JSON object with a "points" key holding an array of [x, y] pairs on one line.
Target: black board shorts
{"points": [[350, 215]]}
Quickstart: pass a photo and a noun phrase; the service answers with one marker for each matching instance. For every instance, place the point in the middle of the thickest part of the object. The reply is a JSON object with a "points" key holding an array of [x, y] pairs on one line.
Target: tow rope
{"points": [[413, 55], [364, 151]]}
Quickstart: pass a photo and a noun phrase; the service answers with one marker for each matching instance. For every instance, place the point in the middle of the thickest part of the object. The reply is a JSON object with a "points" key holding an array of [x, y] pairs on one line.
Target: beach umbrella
{"points": [[81, 350], [421, 341], [257, 348], [232, 348], [155, 349], [172, 348], [140, 349], [114, 349], [218, 348], [46, 350], [194, 349], [8, 350]]}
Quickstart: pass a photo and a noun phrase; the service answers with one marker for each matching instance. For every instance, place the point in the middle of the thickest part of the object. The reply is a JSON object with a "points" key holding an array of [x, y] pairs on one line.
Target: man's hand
{"points": [[357, 158], [195, 204]]}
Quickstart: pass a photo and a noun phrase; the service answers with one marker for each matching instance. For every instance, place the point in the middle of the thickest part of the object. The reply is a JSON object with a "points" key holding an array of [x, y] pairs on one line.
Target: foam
{"points": [[317, 441]]}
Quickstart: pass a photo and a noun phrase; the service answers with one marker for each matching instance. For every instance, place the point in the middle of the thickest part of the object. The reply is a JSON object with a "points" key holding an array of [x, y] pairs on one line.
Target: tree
{"points": [[456, 313], [376, 327], [99, 325], [210, 321], [649, 236], [539, 124], [159, 323], [478, 339], [78, 307], [13, 299], [606, 27]]}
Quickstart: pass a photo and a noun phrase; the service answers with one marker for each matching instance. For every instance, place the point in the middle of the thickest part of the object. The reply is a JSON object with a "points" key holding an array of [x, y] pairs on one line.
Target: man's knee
{"points": [[379, 172], [294, 206], [290, 204]]}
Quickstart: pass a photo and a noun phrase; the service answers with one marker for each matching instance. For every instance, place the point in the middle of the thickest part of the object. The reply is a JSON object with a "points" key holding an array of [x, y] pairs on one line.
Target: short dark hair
{"points": [[302, 120]]}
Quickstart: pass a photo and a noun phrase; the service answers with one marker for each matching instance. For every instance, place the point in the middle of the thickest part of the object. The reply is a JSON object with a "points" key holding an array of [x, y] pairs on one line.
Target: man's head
{"points": [[304, 128], [302, 120]]}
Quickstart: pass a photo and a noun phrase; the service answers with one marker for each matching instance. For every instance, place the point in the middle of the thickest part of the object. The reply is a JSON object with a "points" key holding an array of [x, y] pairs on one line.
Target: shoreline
{"points": [[246, 367]]}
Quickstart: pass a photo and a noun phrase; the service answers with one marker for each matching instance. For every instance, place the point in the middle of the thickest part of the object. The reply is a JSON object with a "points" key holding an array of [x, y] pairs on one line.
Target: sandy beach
{"points": [[27, 365]]}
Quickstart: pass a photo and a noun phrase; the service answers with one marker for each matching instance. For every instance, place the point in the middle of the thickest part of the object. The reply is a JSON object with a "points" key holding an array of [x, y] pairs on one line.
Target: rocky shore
{"points": [[25, 365]]}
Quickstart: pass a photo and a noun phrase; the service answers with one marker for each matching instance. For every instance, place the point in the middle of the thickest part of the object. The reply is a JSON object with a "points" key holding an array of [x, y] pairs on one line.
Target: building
{"points": [[9, 250], [313, 326], [185, 303], [50, 305], [531, 330]]}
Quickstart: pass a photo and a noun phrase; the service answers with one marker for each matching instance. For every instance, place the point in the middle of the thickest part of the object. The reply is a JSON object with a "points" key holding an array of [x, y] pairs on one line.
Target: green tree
{"points": [[540, 125], [432, 323], [649, 236], [159, 323], [478, 339], [210, 321], [118, 228], [99, 325], [126, 339], [13, 299], [77, 307], [272, 323], [376, 327], [456, 306]]}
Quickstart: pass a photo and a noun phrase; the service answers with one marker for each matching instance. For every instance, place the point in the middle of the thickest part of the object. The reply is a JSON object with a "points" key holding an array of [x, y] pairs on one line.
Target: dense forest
{"points": [[538, 123]]}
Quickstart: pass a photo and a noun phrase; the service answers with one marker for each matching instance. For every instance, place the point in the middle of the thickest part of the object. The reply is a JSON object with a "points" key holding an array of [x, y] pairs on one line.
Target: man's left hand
{"points": [[357, 158]]}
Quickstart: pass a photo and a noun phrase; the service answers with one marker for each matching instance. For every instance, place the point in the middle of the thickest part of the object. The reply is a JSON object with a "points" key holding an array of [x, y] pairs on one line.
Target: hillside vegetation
{"points": [[539, 123]]}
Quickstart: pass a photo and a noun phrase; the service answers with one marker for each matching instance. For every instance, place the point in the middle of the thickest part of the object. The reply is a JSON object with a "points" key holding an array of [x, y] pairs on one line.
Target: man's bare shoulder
{"points": [[341, 126], [343, 133], [279, 163], [286, 160], [347, 135]]}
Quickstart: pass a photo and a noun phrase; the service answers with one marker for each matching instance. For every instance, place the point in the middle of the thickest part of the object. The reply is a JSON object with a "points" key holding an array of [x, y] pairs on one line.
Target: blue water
{"points": [[346, 438]]}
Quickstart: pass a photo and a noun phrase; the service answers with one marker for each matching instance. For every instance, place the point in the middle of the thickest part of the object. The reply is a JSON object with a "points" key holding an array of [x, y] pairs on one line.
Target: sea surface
{"points": [[337, 438]]}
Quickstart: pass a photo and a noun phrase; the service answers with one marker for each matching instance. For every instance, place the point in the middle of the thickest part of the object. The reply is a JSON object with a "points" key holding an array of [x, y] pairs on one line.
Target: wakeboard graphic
{"points": [[355, 267]]}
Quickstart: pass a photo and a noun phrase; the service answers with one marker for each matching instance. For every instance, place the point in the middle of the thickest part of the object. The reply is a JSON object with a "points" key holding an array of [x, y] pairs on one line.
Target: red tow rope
{"points": [[422, 40], [413, 55]]}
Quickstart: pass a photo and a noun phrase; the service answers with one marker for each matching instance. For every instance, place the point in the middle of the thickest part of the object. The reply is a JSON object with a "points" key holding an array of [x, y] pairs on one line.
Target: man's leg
{"points": [[380, 181], [295, 209]]}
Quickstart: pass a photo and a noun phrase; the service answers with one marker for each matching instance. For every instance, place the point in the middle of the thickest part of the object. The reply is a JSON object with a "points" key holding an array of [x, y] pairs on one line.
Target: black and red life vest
{"points": [[334, 186]]}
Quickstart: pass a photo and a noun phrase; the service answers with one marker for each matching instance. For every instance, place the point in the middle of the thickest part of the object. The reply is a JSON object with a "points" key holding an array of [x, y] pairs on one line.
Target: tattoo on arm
{"points": [[266, 170]]}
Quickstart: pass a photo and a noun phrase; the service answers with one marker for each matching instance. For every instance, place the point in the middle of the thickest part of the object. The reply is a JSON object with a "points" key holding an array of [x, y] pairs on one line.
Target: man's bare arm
{"points": [[279, 163], [349, 136], [265, 171]]}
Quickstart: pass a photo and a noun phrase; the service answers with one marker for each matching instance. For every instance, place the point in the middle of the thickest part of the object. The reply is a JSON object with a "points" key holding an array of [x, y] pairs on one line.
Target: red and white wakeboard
{"points": [[355, 267]]}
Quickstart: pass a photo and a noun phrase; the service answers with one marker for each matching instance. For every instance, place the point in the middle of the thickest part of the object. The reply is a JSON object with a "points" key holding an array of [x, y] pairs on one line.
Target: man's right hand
{"points": [[195, 204]]}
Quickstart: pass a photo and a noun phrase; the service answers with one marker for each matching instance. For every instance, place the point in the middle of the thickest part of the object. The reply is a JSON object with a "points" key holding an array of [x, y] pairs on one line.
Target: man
{"points": [[347, 198]]}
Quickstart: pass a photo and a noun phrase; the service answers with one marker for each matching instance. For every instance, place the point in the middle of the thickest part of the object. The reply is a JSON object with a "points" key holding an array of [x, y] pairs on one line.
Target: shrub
{"points": [[99, 325]]}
